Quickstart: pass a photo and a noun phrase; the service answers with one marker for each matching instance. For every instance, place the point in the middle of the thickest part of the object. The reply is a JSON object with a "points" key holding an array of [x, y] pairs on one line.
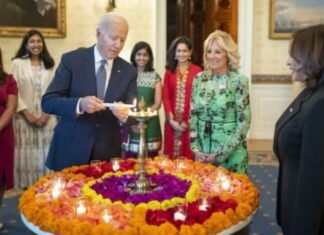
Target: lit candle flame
{"points": [[81, 209], [204, 205], [179, 215], [225, 184], [106, 216], [57, 188], [115, 165], [181, 166]]}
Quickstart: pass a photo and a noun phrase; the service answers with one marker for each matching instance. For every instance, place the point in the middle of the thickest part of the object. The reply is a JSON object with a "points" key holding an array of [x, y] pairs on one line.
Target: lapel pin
{"points": [[291, 109]]}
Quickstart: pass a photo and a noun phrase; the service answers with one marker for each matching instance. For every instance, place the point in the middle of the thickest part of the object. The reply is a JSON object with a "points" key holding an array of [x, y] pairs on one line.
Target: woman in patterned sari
{"points": [[176, 97], [220, 108]]}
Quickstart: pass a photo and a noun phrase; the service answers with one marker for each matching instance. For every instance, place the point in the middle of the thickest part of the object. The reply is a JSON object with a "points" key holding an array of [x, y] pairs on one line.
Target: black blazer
{"points": [[299, 146], [74, 136]]}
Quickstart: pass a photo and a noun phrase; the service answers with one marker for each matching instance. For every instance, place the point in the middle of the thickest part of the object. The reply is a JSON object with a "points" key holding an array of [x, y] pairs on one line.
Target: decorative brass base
{"points": [[142, 186]]}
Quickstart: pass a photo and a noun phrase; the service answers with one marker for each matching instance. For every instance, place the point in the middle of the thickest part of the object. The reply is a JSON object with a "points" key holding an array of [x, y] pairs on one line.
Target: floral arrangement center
{"points": [[119, 188]]}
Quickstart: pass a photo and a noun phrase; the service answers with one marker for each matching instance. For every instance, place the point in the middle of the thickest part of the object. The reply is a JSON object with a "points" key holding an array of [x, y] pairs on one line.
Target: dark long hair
{"points": [[3, 74], [307, 48], [139, 46], [172, 63], [44, 55]]}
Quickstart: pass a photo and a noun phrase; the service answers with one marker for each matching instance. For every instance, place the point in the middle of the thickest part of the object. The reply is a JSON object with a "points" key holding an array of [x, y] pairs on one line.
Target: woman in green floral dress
{"points": [[220, 108], [149, 88]]}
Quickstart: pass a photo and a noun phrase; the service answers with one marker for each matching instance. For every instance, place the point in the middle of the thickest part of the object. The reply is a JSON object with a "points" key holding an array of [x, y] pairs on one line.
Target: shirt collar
{"points": [[98, 58]]}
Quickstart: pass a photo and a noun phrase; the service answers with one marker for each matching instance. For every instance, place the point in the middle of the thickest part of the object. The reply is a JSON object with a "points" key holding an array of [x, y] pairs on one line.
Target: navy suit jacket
{"points": [[75, 135], [299, 146]]}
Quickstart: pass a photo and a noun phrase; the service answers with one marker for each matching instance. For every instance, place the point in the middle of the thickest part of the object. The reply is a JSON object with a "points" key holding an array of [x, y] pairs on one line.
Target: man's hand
{"points": [[91, 104], [120, 112]]}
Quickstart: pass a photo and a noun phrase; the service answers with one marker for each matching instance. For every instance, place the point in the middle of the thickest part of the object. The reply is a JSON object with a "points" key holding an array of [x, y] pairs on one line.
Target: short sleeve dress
{"points": [[146, 82]]}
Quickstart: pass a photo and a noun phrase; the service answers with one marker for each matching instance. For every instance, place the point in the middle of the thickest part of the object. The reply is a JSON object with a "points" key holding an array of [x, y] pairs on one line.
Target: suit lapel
{"points": [[114, 81], [89, 69]]}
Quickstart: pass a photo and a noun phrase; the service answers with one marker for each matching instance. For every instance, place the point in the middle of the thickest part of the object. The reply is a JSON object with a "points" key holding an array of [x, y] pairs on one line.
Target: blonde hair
{"points": [[225, 41]]}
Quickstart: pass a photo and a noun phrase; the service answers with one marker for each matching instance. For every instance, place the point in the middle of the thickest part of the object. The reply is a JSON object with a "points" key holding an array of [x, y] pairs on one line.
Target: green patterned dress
{"points": [[220, 118], [146, 82]]}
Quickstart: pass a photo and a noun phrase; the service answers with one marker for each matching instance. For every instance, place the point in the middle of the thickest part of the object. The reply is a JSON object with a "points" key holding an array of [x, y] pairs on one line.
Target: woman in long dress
{"points": [[220, 106], [149, 88], [178, 78], [32, 67]]}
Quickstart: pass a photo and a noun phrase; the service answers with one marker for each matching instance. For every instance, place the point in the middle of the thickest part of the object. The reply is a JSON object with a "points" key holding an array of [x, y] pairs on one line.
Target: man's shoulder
{"points": [[81, 51], [124, 64]]}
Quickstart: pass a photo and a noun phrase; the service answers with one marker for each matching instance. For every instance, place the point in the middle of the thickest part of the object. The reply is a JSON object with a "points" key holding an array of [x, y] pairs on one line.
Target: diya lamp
{"points": [[141, 115]]}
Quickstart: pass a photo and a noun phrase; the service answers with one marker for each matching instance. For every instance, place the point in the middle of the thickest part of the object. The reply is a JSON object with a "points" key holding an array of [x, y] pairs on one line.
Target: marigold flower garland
{"points": [[233, 197]]}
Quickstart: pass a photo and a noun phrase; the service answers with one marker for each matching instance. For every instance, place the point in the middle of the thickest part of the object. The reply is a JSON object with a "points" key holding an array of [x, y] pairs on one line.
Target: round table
{"points": [[231, 230]]}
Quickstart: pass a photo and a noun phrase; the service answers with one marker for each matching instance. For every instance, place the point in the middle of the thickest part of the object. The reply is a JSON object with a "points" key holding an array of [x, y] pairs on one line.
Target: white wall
{"points": [[82, 17], [269, 57]]}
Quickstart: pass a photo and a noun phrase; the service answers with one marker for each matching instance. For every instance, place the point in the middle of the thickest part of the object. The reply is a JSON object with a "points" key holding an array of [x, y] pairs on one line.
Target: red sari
{"points": [[178, 105], [7, 143]]}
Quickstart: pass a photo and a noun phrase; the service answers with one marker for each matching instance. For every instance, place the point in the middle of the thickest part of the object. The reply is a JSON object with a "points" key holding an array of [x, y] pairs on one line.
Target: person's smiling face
{"points": [[142, 58], [182, 53], [217, 58], [35, 45]]}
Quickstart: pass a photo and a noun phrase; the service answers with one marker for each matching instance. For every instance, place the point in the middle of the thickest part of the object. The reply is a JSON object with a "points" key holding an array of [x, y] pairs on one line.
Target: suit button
{"points": [[97, 125]]}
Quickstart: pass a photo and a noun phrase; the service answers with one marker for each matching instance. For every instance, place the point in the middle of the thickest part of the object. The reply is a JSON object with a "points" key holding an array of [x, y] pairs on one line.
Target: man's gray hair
{"points": [[108, 19]]}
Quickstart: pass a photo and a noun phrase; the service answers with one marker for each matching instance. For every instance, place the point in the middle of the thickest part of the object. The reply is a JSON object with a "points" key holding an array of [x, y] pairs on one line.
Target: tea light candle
{"points": [[164, 163], [225, 184], [115, 164], [81, 209], [57, 188], [204, 204], [106, 216], [179, 215]]}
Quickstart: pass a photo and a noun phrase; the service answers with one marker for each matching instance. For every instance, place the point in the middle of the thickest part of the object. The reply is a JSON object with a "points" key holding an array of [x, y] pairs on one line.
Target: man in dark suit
{"points": [[87, 130]]}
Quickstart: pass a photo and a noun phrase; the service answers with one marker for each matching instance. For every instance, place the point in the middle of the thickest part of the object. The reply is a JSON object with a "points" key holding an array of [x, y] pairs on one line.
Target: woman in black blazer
{"points": [[299, 140]]}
